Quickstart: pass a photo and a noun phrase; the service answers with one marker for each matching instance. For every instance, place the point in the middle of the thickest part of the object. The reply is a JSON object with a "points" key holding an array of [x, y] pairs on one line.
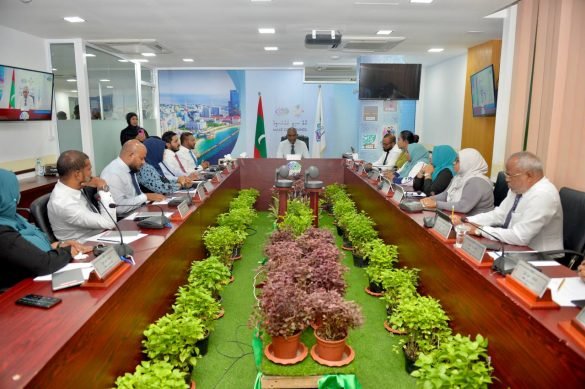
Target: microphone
{"points": [[122, 249], [503, 265], [152, 222], [177, 201]]}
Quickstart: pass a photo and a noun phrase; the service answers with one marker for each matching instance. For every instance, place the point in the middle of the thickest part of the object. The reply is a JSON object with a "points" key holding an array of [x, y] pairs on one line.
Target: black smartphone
{"points": [[35, 300]]}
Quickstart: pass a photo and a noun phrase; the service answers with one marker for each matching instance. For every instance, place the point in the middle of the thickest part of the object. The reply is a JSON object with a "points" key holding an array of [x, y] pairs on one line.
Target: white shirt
{"points": [[188, 159], [393, 155], [26, 103], [72, 215], [413, 172], [170, 166], [537, 221], [117, 175], [285, 147]]}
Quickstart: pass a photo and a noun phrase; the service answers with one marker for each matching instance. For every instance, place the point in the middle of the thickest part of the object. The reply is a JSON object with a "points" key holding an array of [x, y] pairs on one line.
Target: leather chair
{"points": [[40, 215], [573, 204], [304, 138], [500, 189]]}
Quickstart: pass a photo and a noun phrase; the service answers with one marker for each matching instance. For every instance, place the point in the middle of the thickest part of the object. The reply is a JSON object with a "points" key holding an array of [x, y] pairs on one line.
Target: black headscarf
{"points": [[130, 132]]}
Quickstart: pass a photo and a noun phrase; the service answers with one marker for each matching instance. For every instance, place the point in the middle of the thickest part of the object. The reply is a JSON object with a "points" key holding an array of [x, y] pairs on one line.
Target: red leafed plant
{"points": [[335, 315]]}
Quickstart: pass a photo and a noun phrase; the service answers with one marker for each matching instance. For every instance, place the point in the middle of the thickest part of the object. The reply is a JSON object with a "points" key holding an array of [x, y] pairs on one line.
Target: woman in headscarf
{"points": [[471, 191], [133, 131], [436, 176], [25, 251], [418, 157], [404, 139], [151, 176]]}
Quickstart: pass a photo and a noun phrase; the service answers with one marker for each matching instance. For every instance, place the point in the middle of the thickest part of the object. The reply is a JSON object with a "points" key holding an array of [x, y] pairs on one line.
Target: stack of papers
{"points": [[86, 268], [114, 236], [572, 288]]}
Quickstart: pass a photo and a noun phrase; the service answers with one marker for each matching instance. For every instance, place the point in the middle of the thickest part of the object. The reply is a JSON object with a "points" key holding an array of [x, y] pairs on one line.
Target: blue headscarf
{"points": [[155, 149], [9, 197], [417, 153], [443, 158]]}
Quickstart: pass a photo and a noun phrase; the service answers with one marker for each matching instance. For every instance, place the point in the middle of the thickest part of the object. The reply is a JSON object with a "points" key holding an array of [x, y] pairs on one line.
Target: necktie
{"points": [[509, 215], [292, 148], [135, 182], [180, 164], [386, 157], [194, 158]]}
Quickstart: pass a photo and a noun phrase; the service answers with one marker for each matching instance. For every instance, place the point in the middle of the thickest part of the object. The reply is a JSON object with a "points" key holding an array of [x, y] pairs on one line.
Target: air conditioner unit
{"points": [[367, 44], [330, 74], [130, 46]]}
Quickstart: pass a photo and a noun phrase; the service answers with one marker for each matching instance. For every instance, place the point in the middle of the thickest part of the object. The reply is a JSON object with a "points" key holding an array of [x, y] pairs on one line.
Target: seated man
{"points": [[531, 214], [187, 156], [291, 146], [171, 164], [72, 213], [387, 160], [120, 174]]}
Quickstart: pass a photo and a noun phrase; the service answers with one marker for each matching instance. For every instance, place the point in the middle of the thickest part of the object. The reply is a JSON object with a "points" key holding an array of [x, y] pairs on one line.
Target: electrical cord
{"points": [[235, 358]]}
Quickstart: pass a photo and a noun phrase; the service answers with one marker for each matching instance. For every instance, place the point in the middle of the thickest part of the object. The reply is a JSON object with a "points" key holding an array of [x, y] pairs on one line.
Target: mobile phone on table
{"points": [[35, 300]]}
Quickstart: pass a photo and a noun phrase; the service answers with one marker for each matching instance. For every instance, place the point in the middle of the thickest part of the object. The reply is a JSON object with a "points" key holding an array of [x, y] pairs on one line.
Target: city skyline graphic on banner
{"points": [[205, 103]]}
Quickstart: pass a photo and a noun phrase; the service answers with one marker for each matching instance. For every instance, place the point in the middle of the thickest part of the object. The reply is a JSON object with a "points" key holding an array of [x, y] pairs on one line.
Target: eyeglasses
{"points": [[508, 175]]}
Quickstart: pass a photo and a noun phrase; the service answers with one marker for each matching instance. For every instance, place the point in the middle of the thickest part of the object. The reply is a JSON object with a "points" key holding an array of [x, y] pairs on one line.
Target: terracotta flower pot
{"points": [[285, 347], [330, 350]]}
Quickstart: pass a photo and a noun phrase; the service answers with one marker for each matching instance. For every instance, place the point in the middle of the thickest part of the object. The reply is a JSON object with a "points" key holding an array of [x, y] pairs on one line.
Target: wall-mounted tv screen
{"points": [[483, 92], [389, 81], [25, 94]]}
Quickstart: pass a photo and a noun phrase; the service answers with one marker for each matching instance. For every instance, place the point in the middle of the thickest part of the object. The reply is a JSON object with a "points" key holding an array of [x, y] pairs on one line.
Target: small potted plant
{"points": [[380, 257], [220, 242], [298, 218], [459, 362], [398, 284], [153, 374], [360, 230], [209, 274]]}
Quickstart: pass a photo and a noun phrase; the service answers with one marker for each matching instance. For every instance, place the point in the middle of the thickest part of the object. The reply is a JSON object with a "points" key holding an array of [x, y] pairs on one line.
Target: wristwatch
{"points": [[477, 232], [105, 188]]}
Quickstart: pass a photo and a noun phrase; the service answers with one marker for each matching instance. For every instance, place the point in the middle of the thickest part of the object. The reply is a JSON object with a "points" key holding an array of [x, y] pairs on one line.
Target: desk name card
{"points": [[443, 227], [201, 192], [106, 262], [360, 169], [183, 209], [374, 174], [531, 278], [472, 247], [398, 195], [385, 187], [208, 186]]}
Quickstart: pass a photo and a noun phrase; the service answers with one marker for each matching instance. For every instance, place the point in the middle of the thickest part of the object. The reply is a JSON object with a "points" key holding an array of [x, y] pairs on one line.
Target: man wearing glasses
{"points": [[390, 154], [531, 214]]}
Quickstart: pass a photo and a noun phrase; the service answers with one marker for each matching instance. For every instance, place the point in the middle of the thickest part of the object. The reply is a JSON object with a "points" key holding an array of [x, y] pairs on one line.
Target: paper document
{"points": [[86, 268], [115, 238], [163, 202], [416, 194], [544, 263], [573, 288]]}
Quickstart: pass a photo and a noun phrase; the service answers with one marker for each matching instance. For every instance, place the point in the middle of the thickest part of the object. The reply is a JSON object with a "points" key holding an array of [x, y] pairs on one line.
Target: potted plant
{"points": [[380, 257], [220, 242], [342, 223], [335, 317], [237, 218], [298, 218], [342, 207], [153, 374], [279, 252], [330, 193], [398, 284], [360, 230], [173, 339], [209, 274]]}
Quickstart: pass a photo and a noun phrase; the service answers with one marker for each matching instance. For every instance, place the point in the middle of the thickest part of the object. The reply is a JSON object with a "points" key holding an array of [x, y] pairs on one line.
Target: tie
{"points": [[292, 148], [194, 158], [509, 215], [135, 182], [386, 157], [180, 164]]}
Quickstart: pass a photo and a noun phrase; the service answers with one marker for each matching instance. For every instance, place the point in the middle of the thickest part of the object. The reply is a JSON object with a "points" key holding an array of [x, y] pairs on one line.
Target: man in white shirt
{"points": [[120, 174], [388, 159], [26, 101], [72, 213], [531, 214], [187, 156], [291, 146], [172, 165]]}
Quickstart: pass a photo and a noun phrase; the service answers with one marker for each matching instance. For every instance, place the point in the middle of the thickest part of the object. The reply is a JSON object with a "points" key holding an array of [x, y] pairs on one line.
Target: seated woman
{"points": [[403, 140], [133, 131], [151, 177], [471, 191], [25, 251], [418, 157], [436, 176]]}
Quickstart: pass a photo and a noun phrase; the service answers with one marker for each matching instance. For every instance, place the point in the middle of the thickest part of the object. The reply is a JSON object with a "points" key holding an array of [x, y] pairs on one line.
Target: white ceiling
{"points": [[224, 33]]}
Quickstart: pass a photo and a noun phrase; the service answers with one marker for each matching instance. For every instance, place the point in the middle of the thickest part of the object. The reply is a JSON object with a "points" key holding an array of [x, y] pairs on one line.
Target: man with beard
{"points": [[388, 159]]}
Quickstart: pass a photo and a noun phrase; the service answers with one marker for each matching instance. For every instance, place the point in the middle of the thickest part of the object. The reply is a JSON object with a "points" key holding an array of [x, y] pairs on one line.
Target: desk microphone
{"points": [[189, 199], [503, 264], [122, 249], [152, 222]]}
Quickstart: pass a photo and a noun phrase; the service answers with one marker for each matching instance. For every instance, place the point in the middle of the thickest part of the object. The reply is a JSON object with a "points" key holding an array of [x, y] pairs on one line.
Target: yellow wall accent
{"points": [[24, 164]]}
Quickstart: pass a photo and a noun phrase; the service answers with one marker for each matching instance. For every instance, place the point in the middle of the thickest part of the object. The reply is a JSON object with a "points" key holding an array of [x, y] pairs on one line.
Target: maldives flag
{"points": [[12, 103], [260, 138]]}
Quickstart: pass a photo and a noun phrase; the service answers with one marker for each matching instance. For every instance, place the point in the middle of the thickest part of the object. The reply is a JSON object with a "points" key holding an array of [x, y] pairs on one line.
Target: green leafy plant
{"points": [[245, 199], [172, 339], [210, 274], [458, 363], [197, 302], [360, 230], [298, 218], [153, 374], [220, 242], [398, 284], [342, 207], [381, 257], [237, 219]]}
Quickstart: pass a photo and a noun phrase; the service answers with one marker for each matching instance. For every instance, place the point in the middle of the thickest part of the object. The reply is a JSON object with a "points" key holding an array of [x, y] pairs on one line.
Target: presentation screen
{"points": [[25, 94], [389, 81], [483, 92]]}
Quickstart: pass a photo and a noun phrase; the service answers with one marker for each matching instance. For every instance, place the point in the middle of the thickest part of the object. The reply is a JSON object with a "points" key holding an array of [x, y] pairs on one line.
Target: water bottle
{"points": [[39, 168]]}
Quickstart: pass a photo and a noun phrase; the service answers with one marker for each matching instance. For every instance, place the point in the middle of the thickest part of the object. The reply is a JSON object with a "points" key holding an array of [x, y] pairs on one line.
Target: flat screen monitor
{"points": [[391, 81], [25, 94], [483, 92]]}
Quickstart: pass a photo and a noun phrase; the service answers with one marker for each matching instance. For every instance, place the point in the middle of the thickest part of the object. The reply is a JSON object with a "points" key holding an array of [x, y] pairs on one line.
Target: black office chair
{"points": [[40, 215], [500, 189], [573, 204], [304, 138]]}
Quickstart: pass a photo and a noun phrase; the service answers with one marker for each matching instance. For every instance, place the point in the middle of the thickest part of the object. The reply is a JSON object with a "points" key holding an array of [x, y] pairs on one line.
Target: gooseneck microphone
{"points": [[122, 249], [151, 222]]}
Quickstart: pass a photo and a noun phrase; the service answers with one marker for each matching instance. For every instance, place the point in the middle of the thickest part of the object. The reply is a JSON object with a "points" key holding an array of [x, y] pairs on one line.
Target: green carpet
{"points": [[230, 362]]}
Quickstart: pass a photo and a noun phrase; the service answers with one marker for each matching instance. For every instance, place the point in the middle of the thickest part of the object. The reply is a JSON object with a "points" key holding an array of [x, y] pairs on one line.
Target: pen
{"points": [[561, 284], [108, 240], [452, 212]]}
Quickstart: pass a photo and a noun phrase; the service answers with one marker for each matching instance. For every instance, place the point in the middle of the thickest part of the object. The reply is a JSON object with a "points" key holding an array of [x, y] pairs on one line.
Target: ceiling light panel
{"points": [[74, 19], [266, 30]]}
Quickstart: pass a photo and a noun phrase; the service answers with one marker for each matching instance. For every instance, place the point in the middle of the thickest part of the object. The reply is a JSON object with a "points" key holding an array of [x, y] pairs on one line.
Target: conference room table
{"points": [[95, 335]]}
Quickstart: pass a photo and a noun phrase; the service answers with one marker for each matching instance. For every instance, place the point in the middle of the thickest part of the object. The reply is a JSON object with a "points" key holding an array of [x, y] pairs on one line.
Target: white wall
{"points": [[442, 97], [25, 140]]}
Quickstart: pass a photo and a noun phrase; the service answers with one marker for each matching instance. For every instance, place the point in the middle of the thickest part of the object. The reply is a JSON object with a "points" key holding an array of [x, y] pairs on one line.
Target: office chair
{"points": [[40, 215], [304, 138], [500, 189], [573, 204]]}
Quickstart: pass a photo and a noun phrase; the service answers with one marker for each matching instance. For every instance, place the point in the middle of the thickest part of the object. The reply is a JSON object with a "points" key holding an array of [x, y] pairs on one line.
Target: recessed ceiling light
{"points": [[89, 55], [74, 19], [271, 48], [266, 30], [474, 32], [110, 87], [335, 57], [148, 54], [105, 80], [435, 50], [139, 60], [72, 80], [188, 60], [260, 1], [298, 63], [384, 32], [375, 3], [421, 1], [122, 60], [73, 90], [54, 69]]}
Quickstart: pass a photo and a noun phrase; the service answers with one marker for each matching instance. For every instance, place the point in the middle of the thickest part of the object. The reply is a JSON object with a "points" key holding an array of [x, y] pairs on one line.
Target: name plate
{"points": [[473, 248], [360, 169], [208, 186], [183, 209], [374, 174], [106, 262], [398, 195], [443, 227], [531, 278], [201, 192], [218, 175], [581, 317], [385, 187]]}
